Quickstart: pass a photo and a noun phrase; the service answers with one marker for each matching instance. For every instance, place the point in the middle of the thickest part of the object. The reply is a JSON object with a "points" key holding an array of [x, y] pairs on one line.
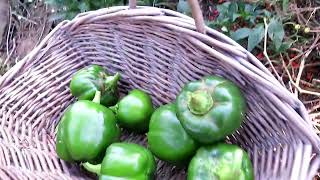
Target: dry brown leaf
{"points": [[4, 12]]}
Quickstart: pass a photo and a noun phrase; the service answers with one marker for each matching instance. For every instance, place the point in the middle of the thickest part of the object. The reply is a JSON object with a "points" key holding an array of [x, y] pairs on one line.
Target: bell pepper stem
{"points": [[92, 168], [114, 108], [200, 102], [111, 82], [97, 97]]}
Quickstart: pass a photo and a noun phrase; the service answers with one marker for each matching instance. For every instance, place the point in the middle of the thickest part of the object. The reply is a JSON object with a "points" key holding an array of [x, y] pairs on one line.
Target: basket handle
{"points": [[196, 13]]}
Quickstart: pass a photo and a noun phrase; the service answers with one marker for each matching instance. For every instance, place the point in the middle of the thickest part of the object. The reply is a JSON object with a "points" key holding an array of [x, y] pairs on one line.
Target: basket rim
{"points": [[183, 23]]}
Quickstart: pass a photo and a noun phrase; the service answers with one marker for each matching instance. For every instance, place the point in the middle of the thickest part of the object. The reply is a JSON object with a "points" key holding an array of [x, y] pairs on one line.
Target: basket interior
{"points": [[150, 56]]}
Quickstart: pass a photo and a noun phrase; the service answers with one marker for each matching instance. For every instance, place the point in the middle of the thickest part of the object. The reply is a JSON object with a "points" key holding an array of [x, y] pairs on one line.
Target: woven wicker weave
{"points": [[158, 51]]}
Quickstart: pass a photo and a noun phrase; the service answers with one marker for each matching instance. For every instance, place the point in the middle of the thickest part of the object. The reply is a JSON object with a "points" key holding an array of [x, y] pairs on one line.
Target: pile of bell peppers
{"points": [[188, 132]]}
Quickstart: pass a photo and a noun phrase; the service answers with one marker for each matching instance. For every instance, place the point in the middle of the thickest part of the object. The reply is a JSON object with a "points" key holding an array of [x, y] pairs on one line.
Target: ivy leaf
{"points": [[275, 30], [184, 7], [255, 36], [232, 11], [277, 43], [240, 34], [224, 29], [284, 46], [223, 8], [249, 8], [266, 13], [285, 5], [235, 16], [83, 7]]}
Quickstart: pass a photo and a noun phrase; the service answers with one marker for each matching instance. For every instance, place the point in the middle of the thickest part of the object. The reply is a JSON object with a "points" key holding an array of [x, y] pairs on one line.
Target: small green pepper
{"points": [[166, 137], [210, 109], [88, 80], [85, 131], [125, 161], [134, 111], [220, 162]]}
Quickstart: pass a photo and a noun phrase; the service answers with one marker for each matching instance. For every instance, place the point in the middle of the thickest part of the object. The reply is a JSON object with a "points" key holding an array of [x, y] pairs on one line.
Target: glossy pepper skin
{"points": [[85, 131], [166, 137], [220, 162], [210, 109], [133, 111], [125, 161], [88, 80]]}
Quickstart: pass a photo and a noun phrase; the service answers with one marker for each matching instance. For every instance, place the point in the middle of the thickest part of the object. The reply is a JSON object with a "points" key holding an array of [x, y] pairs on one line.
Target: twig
{"points": [[300, 10], [315, 31], [287, 71], [314, 115], [265, 50], [24, 18], [314, 108], [9, 29], [295, 50], [301, 70], [313, 12], [312, 101], [9, 55], [312, 65], [302, 91]]}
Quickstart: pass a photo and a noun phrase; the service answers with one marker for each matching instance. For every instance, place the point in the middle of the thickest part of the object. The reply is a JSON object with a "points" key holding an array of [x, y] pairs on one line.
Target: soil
{"points": [[27, 24]]}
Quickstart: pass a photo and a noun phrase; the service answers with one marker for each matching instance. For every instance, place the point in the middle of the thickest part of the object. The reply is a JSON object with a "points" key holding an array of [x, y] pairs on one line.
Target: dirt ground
{"points": [[27, 24]]}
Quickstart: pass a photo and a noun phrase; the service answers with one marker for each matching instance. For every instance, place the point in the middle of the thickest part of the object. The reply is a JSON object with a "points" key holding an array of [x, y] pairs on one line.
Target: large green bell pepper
{"points": [[85, 131], [88, 80], [210, 109], [166, 137], [125, 161], [134, 111], [220, 162]]}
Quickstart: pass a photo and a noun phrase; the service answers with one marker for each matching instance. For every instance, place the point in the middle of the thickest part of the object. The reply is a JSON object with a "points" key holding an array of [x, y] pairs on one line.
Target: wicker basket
{"points": [[158, 51]]}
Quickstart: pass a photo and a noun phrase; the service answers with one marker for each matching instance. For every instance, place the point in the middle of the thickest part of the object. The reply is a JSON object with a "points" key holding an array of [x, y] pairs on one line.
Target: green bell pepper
{"points": [[166, 137], [134, 111], [210, 109], [85, 131], [88, 80], [125, 161], [220, 162]]}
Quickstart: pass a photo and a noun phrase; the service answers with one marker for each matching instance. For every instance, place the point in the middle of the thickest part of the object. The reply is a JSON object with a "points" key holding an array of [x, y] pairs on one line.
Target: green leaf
{"points": [[235, 16], [249, 8], [233, 9], [275, 30], [223, 8], [70, 15], [224, 29], [284, 46], [83, 7], [277, 43], [285, 5], [240, 34], [184, 7], [265, 12], [255, 37]]}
